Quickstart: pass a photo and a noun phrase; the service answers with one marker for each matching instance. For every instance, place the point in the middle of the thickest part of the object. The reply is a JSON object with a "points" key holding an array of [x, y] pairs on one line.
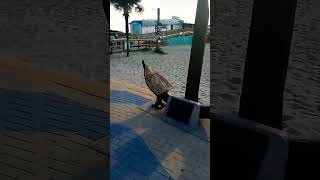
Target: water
{"points": [[173, 66], [180, 40]]}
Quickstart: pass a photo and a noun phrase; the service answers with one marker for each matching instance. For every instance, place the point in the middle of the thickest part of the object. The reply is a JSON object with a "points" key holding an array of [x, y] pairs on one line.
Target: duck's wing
{"points": [[157, 83]]}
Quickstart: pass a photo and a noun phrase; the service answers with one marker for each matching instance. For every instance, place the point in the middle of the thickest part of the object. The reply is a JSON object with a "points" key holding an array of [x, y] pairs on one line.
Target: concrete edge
{"points": [[274, 163]]}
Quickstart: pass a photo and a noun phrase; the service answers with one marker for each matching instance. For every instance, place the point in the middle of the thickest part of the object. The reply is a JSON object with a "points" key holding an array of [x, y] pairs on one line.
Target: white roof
{"points": [[152, 22]]}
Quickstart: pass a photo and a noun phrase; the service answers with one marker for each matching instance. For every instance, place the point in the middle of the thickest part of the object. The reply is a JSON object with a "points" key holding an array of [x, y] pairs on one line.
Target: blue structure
{"points": [[148, 26], [180, 40], [136, 27]]}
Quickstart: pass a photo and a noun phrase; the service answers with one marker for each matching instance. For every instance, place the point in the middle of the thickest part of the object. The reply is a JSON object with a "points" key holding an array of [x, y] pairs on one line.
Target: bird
{"points": [[157, 84]]}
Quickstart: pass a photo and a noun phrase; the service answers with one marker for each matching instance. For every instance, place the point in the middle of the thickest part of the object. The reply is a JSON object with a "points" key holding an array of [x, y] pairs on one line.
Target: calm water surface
{"points": [[173, 66], [180, 40]]}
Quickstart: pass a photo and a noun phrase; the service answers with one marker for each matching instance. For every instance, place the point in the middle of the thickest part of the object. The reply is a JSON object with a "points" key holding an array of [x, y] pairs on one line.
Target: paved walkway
{"points": [[52, 126], [144, 146], [55, 126]]}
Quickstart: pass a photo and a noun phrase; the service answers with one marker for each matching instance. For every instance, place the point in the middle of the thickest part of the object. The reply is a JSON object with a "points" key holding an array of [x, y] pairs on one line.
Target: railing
{"points": [[119, 45], [163, 33], [182, 33], [139, 42]]}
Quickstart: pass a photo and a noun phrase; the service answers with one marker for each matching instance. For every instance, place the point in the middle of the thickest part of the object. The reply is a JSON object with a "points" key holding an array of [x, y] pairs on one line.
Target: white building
{"points": [[148, 26]]}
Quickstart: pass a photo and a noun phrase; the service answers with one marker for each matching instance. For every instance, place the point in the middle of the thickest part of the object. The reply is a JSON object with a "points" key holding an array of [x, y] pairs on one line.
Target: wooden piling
{"points": [[267, 61]]}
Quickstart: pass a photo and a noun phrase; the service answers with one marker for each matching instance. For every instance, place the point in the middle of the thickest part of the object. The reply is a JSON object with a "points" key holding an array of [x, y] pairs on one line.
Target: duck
{"points": [[159, 85]]}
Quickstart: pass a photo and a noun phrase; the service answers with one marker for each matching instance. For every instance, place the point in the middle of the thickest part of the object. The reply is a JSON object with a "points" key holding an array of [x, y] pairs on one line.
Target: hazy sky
{"points": [[185, 9]]}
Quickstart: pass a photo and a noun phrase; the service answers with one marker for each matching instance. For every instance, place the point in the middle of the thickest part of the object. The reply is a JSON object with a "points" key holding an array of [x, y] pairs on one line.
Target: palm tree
{"points": [[126, 6]]}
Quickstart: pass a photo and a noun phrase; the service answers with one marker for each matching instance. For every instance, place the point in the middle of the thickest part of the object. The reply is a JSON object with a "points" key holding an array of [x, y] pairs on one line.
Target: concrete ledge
{"points": [[302, 159], [247, 150], [183, 110]]}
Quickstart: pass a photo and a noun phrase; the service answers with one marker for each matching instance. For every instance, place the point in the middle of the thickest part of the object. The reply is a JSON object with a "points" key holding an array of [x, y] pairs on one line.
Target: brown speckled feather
{"points": [[157, 83]]}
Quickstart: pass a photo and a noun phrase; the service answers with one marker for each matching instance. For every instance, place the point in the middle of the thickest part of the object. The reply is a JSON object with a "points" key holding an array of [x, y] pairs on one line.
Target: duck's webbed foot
{"points": [[157, 106]]}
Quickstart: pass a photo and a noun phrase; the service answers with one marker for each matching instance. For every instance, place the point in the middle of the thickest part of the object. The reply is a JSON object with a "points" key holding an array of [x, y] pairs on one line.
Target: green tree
{"points": [[127, 6]]}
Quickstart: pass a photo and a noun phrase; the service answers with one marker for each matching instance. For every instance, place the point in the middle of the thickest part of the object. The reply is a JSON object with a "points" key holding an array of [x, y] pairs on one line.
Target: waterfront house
{"points": [[188, 26], [138, 27], [116, 34]]}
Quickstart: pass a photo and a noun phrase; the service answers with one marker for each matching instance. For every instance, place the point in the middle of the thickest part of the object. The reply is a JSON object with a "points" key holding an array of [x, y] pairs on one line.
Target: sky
{"points": [[185, 9]]}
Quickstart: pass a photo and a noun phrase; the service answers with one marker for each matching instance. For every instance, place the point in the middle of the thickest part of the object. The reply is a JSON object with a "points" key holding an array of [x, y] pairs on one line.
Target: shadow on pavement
{"points": [[44, 135]]}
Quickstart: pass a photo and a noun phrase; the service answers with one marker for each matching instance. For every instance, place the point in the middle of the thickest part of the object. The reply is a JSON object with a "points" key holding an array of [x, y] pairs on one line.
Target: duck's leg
{"points": [[158, 103], [165, 96]]}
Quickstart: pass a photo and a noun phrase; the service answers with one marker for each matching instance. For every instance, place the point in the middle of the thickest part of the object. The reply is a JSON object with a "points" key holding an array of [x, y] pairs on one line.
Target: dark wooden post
{"points": [[106, 9], [197, 50], [267, 61]]}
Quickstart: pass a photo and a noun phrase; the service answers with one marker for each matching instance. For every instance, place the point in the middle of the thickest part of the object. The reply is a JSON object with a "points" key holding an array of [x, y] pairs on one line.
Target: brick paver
{"points": [[52, 125], [119, 96], [145, 147], [42, 133]]}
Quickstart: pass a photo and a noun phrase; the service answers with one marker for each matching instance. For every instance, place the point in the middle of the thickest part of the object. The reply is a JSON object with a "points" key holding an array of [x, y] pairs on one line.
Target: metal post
{"points": [[166, 35], [158, 29], [106, 8]]}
